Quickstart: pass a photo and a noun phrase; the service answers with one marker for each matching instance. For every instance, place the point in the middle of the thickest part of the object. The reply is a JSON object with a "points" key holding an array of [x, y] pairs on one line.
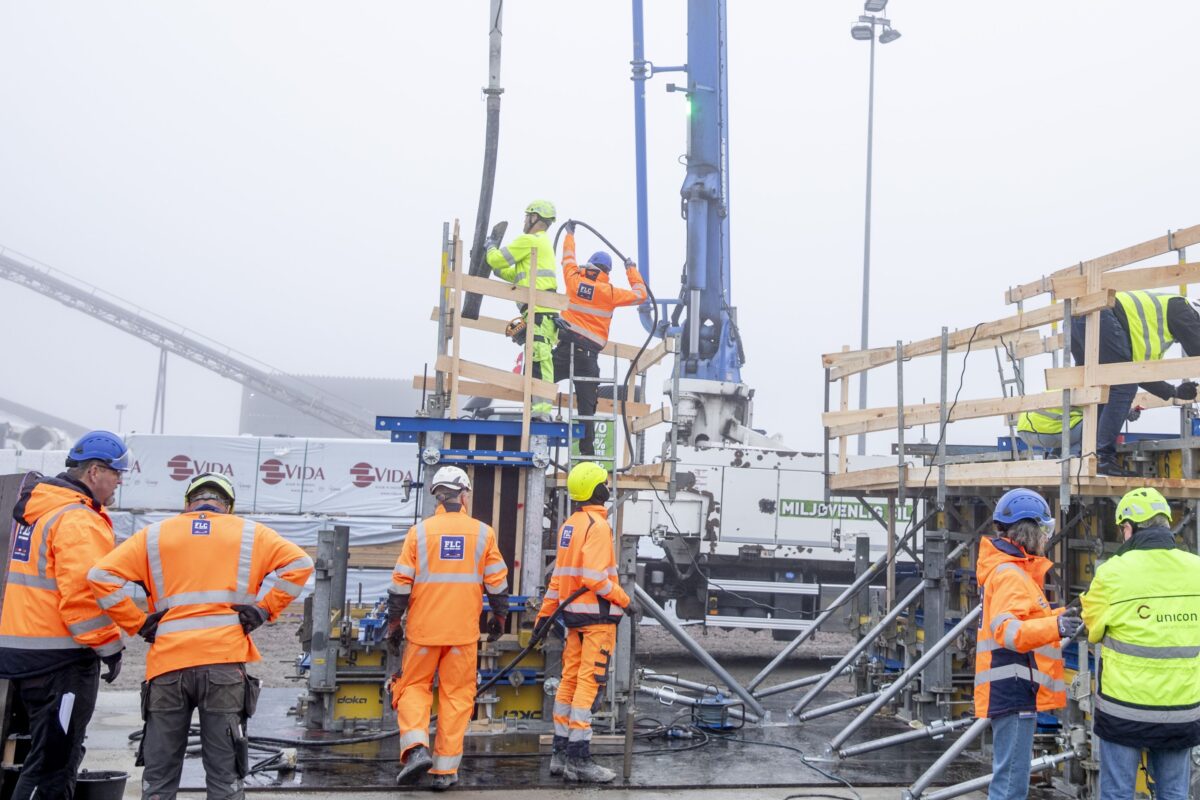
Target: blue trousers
{"points": [[1012, 750], [1114, 349], [1171, 771]]}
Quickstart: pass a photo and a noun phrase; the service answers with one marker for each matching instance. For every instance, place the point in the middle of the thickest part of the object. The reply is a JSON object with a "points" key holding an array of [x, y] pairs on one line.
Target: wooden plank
{"points": [[380, 556], [655, 354], [1040, 474], [527, 371], [624, 482], [1131, 372], [655, 470], [849, 423], [1042, 345], [1185, 237], [475, 389], [494, 325], [516, 294], [842, 364], [500, 377], [1173, 275], [658, 417]]}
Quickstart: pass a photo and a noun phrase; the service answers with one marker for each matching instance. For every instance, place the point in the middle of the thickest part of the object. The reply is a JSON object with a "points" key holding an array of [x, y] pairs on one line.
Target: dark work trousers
{"points": [[219, 691], [586, 366], [1114, 349], [54, 754]]}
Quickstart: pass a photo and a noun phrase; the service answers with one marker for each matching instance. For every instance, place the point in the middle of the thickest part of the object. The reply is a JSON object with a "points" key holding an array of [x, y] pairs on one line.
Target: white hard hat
{"points": [[453, 477]]}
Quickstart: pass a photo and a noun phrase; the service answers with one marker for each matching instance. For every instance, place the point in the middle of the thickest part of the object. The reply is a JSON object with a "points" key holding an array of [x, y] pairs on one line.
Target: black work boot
{"points": [[443, 782], [417, 764], [1108, 465], [558, 759], [580, 767]]}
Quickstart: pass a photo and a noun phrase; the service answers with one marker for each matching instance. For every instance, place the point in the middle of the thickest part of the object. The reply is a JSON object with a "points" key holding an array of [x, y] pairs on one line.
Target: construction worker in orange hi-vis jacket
{"points": [[585, 561], [446, 564], [591, 299], [53, 634], [203, 572]]}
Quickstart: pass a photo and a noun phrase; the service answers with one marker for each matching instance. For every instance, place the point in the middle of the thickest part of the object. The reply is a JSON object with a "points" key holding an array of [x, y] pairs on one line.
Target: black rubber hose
{"points": [[534, 641]]}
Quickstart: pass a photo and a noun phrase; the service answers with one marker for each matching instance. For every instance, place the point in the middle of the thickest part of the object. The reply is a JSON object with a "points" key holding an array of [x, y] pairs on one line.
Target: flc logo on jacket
{"points": [[565, 540], [453, 548]]}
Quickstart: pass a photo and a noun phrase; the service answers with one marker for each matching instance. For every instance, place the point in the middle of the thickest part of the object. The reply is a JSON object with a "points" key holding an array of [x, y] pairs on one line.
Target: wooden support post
{"points": [[843, 405], [530, 329], [1091, 360], [455, 324]]}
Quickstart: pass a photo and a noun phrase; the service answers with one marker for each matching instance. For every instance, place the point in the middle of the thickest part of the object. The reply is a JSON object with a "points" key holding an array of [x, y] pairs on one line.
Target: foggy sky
{"points": [[275, 176]]}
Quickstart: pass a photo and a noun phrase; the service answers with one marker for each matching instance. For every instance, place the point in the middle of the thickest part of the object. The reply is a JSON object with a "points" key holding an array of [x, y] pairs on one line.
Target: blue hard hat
{"points": [[100, 446], [601, 260], [1019, 504]]}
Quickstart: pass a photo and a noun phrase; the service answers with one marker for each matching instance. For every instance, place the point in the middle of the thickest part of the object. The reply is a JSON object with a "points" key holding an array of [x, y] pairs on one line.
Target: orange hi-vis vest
{"points": [[50, 614], [586, 559], [1018, 660], [591, 298], [446, 563], [195, 566]]}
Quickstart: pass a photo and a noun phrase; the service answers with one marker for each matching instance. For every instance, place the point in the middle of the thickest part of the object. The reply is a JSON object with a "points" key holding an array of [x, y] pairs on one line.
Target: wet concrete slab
{"points": [[773, 755]]}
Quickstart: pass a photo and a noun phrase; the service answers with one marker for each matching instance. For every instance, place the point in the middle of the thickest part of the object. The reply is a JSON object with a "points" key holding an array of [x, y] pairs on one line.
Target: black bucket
{"points": [[101, 784]]}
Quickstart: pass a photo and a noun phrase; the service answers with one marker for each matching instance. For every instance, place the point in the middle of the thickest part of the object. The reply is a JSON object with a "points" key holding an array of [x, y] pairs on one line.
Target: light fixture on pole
{"points": [[120, 414], [864, 30]]}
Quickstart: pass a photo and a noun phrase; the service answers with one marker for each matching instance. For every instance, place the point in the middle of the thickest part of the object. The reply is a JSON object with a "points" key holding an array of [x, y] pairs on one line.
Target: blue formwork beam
{"points": [[408, 429]]}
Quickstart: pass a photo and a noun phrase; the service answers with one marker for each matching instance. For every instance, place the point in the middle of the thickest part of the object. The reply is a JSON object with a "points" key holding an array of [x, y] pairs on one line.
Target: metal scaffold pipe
{"points": [[706, 688], [947, 758], [799, 683], [858, 648], [671, 624], [934, 730], [850, 591], [957, 790], [906, 677], [833, 708]]}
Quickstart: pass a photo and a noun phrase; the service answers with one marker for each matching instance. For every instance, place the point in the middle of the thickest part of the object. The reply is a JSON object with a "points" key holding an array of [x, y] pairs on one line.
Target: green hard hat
{"points": [[543, 208], [1142, 504]]}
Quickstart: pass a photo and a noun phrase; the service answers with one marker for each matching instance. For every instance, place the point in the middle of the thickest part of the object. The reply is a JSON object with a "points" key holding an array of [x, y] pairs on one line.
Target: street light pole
{"points": [[866, 281], [865, 29]]}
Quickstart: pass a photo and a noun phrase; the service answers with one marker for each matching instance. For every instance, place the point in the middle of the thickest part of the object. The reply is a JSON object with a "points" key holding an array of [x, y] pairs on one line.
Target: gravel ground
{"points": [[276, 641]]}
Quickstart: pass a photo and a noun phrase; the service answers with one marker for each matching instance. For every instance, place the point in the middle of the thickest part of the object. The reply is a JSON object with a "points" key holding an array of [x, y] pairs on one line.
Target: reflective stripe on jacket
{"points": [[195, 566], [1018, 660], [591, 297], [1146, 320], [50, 616], [446, 563], [1143, 607], [514, 262], [1047, 421], [586, 559]]}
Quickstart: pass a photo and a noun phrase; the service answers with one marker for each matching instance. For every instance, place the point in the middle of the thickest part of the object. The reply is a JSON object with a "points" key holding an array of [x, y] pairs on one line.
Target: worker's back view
{"points": [[203, 571], [446, 564]]}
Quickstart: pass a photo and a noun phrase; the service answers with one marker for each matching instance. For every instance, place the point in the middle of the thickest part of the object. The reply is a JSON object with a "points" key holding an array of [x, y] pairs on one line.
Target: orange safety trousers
{"points": [[585, 663], [412, 697]]}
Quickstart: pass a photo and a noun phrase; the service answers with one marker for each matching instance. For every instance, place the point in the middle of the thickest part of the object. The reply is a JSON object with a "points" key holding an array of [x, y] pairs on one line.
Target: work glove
{"points": [[495, 626], [629, 264], [569, 227], [633, 611], [149, 628], [252, 617], [540, 624], [397, 605], [1135, 414], [113, 665], [1186, 391], [1069, 625]]}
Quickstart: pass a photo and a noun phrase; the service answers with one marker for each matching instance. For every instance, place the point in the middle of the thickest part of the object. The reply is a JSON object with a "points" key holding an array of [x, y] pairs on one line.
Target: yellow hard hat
{"points": [[1142, 504], [543, 208], [584, 479], [214, 480]]}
